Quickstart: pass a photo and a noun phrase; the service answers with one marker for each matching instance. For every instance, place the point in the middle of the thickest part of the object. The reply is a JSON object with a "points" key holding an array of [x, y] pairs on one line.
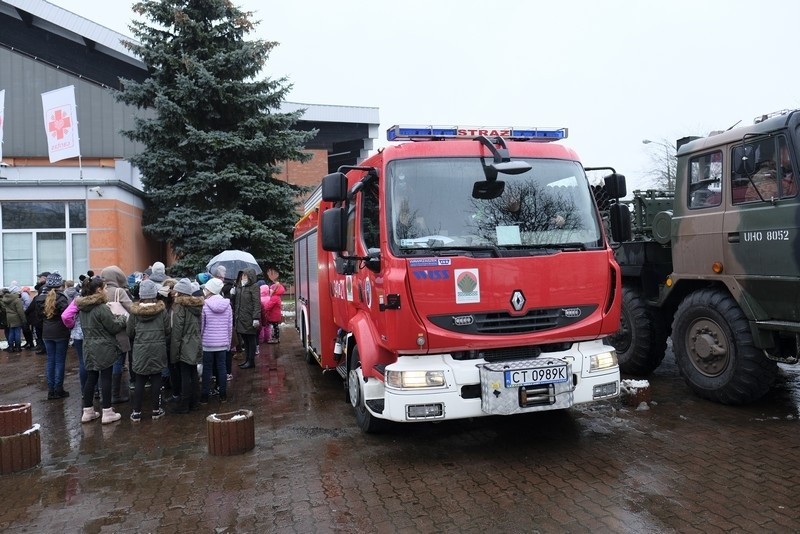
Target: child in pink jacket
{"points": [[273, 311]]}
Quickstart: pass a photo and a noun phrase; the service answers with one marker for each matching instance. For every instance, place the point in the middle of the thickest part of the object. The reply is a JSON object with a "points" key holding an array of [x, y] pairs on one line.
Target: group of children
{"points": [[176, 325]]}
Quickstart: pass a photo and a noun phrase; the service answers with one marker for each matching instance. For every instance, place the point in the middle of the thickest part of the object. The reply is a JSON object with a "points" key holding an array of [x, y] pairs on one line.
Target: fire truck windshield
{"points": [[430, 206]]}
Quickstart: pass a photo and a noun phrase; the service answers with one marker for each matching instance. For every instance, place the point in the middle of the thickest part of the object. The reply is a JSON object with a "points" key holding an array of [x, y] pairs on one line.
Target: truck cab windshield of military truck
{"points": [[547, 209]]}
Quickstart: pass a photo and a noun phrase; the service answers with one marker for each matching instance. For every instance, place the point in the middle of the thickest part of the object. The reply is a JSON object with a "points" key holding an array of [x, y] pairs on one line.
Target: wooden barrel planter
{"points": [[20, 440], [15, 418], [231, 433]]}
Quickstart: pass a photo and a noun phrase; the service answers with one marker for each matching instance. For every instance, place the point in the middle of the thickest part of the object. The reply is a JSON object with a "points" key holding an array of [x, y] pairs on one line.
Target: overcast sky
{"points": [[613, 72]]}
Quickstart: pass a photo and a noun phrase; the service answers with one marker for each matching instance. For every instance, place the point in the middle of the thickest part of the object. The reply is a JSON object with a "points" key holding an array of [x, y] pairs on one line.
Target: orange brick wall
{"points": [[115, 236], [309, 173]]}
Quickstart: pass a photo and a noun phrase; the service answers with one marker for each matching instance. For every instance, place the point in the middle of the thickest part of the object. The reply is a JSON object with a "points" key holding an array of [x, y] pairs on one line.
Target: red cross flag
{"points": [[61, 124], [2, 119]]}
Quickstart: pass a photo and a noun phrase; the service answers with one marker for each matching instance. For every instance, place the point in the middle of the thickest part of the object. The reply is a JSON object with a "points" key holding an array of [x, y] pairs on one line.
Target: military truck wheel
{"points": [[642, 338], [355, 388], [714, 349]]}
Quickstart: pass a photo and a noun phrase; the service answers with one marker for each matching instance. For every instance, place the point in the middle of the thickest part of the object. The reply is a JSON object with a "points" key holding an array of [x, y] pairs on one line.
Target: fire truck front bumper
{"points": [[438, 387]]}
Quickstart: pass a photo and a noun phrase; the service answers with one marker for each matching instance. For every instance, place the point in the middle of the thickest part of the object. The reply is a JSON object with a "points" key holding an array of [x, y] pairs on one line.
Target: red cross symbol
{"points": [[59, 124]]}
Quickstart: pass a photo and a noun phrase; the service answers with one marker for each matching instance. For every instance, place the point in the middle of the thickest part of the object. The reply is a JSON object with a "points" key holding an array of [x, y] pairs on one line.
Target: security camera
{"points": [[96, 189]]}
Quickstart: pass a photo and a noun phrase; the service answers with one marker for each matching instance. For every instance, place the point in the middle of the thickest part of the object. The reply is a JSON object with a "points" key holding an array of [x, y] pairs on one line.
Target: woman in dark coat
{"points": [[55, 335], [247, 314], [100, 328]]}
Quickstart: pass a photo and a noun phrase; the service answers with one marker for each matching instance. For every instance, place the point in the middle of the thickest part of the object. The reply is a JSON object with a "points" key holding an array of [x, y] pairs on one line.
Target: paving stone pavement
{"points": [[683, 465]]}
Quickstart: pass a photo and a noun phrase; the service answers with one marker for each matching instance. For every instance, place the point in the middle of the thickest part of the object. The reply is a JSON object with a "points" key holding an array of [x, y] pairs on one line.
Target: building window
{"points": [[17, 258], [43, 236]]}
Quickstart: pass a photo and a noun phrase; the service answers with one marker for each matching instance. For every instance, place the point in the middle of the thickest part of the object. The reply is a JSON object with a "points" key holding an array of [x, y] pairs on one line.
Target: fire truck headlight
{"points": [[604, 360], [415, 379]]}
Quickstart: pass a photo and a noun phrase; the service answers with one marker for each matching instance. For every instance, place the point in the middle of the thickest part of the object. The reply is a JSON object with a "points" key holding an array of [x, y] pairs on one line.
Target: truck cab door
{"points": [[697, 226], [761, 232]]}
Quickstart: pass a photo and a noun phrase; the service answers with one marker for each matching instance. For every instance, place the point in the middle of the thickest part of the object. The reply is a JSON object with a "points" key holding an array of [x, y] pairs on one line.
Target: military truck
{"points": [[716, 263]]}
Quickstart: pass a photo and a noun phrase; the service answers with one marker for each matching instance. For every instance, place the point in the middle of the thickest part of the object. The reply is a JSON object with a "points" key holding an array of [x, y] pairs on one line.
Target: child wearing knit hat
{"points": [[149, 327], [185, 342]]}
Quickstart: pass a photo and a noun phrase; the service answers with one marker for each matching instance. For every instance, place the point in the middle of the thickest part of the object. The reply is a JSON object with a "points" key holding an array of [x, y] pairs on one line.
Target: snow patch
{"points": [[31, 430], [632, 386]]}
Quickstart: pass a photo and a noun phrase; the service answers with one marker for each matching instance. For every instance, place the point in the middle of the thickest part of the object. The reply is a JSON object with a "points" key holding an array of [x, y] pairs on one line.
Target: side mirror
{"points": [[487, 190], [620, 218], [615, 185], [334, 228], [334, 187]]}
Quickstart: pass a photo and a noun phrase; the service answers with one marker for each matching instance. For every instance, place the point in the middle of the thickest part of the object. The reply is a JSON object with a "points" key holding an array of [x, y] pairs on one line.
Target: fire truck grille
{"points": [[510, 353], [504, 323]]}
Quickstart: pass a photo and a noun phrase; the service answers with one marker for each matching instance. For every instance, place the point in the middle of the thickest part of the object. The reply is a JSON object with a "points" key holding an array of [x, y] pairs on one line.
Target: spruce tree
{"points": [[213, 134]]}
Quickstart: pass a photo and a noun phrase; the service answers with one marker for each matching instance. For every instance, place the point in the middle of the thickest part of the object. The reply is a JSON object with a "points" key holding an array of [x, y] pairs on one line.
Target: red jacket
{"points": [[272, 310]]}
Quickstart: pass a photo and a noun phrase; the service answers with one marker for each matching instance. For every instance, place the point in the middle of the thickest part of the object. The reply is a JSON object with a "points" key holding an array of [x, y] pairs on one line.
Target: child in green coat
{"points": [[149, 327]]}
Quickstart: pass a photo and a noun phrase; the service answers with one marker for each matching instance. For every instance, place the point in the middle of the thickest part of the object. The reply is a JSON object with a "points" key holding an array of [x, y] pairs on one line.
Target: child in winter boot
{"points": [[273, 308], [149, 327], [185, 344], [98, 362]]}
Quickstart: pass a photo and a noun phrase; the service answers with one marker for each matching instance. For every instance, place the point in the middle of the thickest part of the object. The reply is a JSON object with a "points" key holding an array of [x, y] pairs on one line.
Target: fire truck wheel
{"points": [[642, 338], [714, 349], [355, 388], [306, 346]]}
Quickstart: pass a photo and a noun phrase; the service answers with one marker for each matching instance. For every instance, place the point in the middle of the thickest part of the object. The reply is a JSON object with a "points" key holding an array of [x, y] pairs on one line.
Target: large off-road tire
{"points": [[642, 338], [714, 349], [355, 388]]}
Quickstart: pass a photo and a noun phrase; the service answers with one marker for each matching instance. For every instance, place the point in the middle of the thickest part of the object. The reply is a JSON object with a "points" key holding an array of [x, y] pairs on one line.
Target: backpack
{"points": [[3, 317]]}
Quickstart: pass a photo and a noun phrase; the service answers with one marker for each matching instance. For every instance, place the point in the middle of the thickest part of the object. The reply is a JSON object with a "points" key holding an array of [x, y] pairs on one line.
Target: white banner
{"points": [[61, 123], [2, 119]]}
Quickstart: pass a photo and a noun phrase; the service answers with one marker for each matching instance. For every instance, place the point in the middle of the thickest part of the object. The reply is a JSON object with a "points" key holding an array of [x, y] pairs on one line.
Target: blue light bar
{"points": [[406, 133], [415, 133]]}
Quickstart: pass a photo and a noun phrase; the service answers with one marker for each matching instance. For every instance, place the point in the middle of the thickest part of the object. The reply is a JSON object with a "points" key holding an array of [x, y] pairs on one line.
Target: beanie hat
{"points": [[184, 286], [54, 280], [148, 289], [13, 289], [214, 286], [203, 278], [159, 272]]}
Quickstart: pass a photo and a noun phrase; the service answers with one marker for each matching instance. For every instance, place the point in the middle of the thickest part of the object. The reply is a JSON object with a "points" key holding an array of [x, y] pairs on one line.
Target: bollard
{"points": [[20, 440], [231, 433]]}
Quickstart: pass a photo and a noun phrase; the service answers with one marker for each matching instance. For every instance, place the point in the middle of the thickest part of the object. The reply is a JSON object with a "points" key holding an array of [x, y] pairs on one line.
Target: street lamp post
{"points": [[668, 153]]}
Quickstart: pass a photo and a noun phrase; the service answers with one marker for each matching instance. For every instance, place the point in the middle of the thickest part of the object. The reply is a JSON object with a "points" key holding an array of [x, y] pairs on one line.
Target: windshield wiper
{"points": [[453, 249], [564, 247]]}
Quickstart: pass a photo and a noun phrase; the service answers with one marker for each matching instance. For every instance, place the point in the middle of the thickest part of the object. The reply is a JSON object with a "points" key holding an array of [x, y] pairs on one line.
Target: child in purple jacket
{"points": [[216, 329]]}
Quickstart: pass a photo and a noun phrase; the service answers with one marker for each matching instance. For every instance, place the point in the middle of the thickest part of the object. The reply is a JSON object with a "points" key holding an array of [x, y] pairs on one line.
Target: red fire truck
{"points": [[460, 274]]}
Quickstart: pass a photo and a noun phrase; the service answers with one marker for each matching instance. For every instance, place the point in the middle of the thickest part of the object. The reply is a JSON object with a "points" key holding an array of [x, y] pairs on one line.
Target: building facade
{"points": [[86, 213]]}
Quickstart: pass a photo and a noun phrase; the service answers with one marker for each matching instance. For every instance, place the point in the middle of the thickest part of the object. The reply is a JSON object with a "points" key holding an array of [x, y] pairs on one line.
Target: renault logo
{"points": [[517, 300]]}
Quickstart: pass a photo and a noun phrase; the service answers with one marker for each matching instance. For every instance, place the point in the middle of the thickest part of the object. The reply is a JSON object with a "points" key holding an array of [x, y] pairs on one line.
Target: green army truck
{"points": [[716, 264]]}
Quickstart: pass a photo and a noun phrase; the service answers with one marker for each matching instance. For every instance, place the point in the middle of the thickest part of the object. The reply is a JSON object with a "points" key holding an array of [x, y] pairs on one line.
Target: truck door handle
{"points": [[733, 237]]}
